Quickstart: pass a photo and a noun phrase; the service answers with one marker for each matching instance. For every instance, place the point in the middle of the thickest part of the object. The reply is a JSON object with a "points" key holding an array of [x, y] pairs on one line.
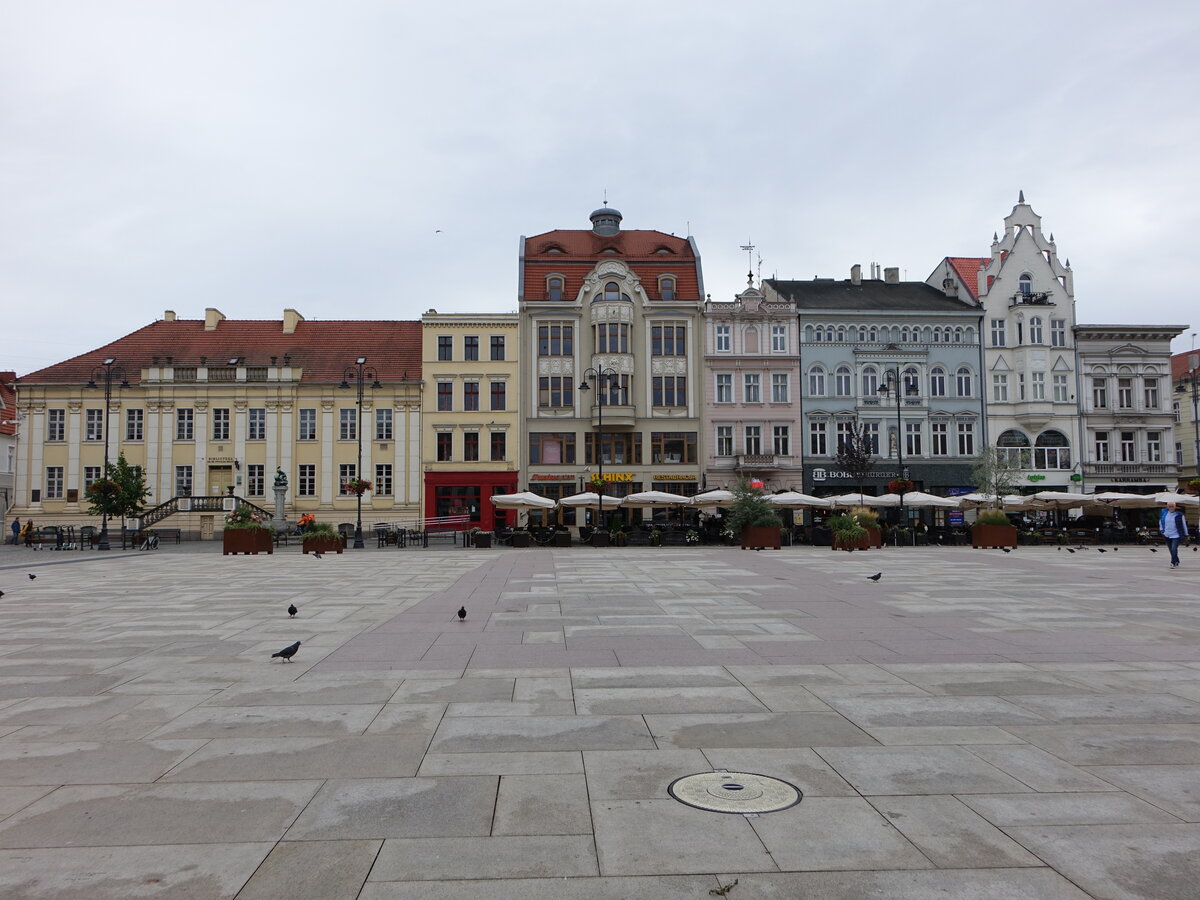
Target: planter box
{"points": [[562, 539], [323, 545], [984, 537], [483, 540], [600, 539], [246, 540], [521, 539], [761, 537], [871, 539]]}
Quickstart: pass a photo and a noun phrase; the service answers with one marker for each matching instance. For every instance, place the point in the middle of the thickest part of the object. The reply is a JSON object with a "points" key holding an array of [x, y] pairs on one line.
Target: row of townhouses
{"points": [[617, 360]]}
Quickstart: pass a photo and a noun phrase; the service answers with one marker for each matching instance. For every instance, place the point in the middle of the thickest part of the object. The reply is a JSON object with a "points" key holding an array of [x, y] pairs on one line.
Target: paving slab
{"points": [[329, 870], [917, 770], [543, 856], [1113, 808]]}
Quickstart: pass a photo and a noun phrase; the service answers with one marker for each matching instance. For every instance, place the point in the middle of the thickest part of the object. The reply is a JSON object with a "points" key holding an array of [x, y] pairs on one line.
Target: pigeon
{"points": [[876, 576], [1059, 549], [462, 613], [292, 610], [1115, 549], [1006, 549], [1069, 550], [32, 576], [1153, 549], [316, 555], [287, 653], [1, 593]]}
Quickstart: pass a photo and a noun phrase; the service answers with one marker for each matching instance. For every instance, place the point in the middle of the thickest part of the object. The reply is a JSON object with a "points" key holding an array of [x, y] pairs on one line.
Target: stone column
{"points": [[281, 486]]}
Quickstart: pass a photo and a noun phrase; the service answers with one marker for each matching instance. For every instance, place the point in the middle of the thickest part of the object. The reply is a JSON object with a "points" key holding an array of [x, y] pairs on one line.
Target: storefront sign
{"points": [[618, 476], [674, 477], [551, 477], [840, 474]]}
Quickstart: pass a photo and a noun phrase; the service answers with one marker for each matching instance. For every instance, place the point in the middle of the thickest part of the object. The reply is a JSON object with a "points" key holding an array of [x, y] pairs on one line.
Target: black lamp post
{"points": [[602, 377], [106, 372], [893, 384], [359, 373]]}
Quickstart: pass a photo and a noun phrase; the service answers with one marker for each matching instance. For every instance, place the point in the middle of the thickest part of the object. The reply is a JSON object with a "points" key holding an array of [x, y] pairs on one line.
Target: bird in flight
{"points": [[287, 653], [876, 576], [292, 610], [462, 613]]}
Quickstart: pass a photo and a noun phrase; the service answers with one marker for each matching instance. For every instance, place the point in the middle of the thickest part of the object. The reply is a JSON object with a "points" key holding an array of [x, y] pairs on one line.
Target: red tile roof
{"points": [[578, 251], [967, 268], [1179, 365], [323, 349]]}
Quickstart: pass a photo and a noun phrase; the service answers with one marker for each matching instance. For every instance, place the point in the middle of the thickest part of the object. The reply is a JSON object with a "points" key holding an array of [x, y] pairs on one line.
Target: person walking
{"points": [[1173, 526], [16, 530], [27, 532]]}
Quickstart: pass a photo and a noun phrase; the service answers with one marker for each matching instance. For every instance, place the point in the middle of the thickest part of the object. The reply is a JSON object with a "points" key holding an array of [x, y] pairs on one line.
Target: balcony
{"points": [[758, 461], [1165, 470], [616, 418], [1036, 298]]}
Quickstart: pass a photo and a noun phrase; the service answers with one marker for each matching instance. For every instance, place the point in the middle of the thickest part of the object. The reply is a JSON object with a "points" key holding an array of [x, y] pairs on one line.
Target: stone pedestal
{"points": [[280, 493]]}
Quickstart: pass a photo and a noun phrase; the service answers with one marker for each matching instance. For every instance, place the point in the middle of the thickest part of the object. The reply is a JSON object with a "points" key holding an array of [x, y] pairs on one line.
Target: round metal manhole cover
{"points": [[741, 793]]}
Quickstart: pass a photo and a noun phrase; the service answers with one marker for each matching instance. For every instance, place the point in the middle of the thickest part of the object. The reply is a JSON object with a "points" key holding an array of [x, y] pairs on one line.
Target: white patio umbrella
{"points": [[796, 500], [522, 500], [655, 498], [974, 500], [1165, 497], [843, 501], [590, 498], [1125, 501], [1057, 500], [919, 500], [713, 498]]}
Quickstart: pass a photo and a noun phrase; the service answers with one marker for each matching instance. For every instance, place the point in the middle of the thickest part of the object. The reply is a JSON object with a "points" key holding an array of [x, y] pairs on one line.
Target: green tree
{"points": [[996, 473], [750, 508], [856, 454], [121, 493]]}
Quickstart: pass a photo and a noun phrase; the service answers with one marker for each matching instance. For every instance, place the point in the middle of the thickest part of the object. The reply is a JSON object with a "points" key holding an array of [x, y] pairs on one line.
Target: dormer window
{"points": [[666, 287], [554, 287]]}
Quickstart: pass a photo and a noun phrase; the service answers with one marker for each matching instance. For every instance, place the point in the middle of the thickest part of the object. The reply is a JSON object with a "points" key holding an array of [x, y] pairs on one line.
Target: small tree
{"points": [[995, 473], [856, 454], [121, 493], [751, 508]]}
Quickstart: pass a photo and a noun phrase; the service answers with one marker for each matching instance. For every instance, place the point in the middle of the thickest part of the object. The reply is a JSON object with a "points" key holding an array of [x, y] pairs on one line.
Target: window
{"points": [[220, 424], [724, 440], [937, 382], [1052, 450], [556, 340], [445, 446], [666, 287], [383, 479], [912, 382], [471, 395], [306, 480], [183, 481], [671, 447], [616, 448], [1154, 446], [134, 419], [471, 446], [997, 332], [779, 387], [870, 382], [1125, 393], [845, 432], [1128, 446], [445, 396], [753, 444], [497, 347], [1176, 409], [1013, 446], [816, 382], [1035, 330], [817, 439], [498, 395], [938, 439], [1179, 453], [383, 424], [999, 388], [1058, 332], [183, 424], [255, 479], [556, 391], [842, 381], [308, 425], [612, 337], [1101, 442], [554, 287], [668, 340], [1025, 283], [751, 392], [54, 482], [724, 340], [870, 433], [782, 439], [724, 388], [498, 445], [962, 381], [1038, 385], [552, 449], [669, 390], [445, 348], [1150, 390], [612, 291], [348, 424], [966, 438], [94, 425], [347, 472], [471, 347], [1100, 393], [779, 339], [56, 424], [256, 424], [90, 474], [1060, 388], [912, 438]]}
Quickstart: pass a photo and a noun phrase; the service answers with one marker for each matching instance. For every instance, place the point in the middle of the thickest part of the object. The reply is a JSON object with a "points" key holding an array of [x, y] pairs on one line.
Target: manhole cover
{"points": [[734, 792]]}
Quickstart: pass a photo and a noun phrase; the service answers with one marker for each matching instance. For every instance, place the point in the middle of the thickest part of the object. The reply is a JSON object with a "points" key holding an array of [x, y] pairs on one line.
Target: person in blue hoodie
{"points": [[1173, 525]]}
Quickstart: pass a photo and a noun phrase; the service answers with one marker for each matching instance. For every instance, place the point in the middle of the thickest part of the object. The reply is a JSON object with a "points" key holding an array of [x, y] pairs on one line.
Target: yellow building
{"points": [[470, 413], [215, 406]]}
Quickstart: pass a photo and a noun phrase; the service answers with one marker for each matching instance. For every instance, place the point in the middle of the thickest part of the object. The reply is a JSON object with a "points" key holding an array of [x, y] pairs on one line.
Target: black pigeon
{"points": [[1059, 549], [1006, 549], [1115, 549], [462, 613], [1101, 550], [1153, 549], [1069, 550], [1, 593], [876, 576], [292, 610], [287, 653], [32, 576], [316, 555]]}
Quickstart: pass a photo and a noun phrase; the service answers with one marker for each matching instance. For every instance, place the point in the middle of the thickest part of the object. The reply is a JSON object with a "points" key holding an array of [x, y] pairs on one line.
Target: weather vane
{"points": [[749, 248]]}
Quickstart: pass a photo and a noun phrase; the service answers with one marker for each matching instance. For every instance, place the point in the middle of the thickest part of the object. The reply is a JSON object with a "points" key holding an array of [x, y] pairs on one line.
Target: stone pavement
{"points": [[974, 725]]}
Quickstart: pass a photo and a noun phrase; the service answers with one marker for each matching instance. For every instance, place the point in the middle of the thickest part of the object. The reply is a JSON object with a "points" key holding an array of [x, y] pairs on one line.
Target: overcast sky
{"points": [[256, 155]]}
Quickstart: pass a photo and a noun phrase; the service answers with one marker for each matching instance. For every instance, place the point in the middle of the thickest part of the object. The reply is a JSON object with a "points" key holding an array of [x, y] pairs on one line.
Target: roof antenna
{"points": [[605, 203], [749, 248]]}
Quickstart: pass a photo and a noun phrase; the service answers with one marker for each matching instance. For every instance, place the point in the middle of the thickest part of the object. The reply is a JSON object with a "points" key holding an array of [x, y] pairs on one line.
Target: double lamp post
{"points": [[359, 373], [893, 384], [106, 372], [602, 376]]}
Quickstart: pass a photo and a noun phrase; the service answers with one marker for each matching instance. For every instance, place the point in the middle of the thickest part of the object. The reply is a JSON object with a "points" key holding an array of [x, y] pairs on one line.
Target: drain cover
{"points": [[740, 793]]}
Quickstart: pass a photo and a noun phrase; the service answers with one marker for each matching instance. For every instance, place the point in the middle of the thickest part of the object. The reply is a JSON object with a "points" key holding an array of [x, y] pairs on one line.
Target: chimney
{"points": [[211, 318], [891, 275], [169, 315], [856, 274], [291, 319]]}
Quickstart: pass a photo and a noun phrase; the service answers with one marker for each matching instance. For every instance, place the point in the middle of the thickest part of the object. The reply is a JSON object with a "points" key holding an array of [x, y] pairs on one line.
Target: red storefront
{"points": [[466, 493]]}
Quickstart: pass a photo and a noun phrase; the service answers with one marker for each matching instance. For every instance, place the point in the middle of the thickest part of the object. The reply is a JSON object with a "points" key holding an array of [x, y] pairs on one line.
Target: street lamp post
{"points": [[893, 384], [602, 376], [106, 372], [359, 373]]}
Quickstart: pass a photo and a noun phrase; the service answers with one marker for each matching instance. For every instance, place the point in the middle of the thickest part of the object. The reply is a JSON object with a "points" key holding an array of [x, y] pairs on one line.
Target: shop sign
{"points": [[618, 476], [673, 477], [841, 474], [551, 477]]}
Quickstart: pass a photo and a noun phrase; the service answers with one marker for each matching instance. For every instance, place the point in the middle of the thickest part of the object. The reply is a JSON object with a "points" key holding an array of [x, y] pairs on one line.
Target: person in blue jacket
{"points": [[1173, 526]]}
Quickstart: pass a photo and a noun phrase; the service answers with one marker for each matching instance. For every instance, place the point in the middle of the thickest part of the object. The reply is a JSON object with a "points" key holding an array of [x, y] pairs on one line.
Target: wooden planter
{"points": [[871, 539], [521, 538], [483, 540], [246, 540], [984, 537], [323, 545], [600, 539], [760, 537], [562, 539]]}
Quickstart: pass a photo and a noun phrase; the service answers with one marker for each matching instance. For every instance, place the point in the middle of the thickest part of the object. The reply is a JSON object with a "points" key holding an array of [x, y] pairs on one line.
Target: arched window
{"points": [[1013, 445], [1052, 450], [854, 334], [958, 335], [870, 382], [962, 380], [816, 381], [666, 287], [1035, 330], [612, 291], [904, 335], [872, 335], [937, 335], [1025, 282], [808, 334], [912, 384], [554, 287], [841, 334], [968, 335], [937, 382], [842, 381]]}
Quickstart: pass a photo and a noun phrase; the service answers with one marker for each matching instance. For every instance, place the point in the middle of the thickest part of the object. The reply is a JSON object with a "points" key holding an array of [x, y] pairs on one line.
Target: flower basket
{"points": [[901, 486], [1193, 486], [598, 484], [356, 486]]}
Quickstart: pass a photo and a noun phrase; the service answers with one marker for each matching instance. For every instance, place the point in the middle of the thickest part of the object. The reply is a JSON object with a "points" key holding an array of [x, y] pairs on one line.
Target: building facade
{"points": [[9, 424], [620, 312], [1185, 383], [215, 406], [471, 414]]}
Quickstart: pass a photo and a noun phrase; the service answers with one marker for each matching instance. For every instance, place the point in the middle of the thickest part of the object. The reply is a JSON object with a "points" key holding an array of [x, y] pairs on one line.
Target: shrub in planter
{"points": [[321, 537], [847, 532], [991, 517], [992, 529], [245, 532], [753, 516]]}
